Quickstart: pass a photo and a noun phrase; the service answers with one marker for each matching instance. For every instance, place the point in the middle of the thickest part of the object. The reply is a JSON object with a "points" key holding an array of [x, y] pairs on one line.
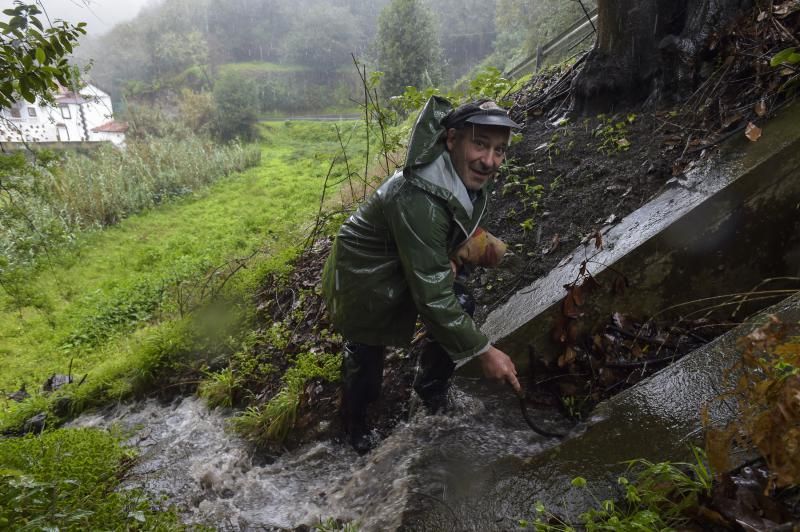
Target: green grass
{"points": [[110, 302], [258, 67], [68, 480]]}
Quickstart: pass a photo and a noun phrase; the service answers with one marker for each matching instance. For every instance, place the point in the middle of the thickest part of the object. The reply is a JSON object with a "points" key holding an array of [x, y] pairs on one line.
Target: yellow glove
{"points": [[481, 249]]}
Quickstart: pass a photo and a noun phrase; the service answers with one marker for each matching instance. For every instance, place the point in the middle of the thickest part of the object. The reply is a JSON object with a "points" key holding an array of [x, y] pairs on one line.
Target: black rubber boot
{"points": [[435, 366], [433, 377], [362, 375]]}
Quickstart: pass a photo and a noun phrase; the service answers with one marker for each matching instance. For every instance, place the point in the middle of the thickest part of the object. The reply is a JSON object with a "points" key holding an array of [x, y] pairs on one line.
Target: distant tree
{"points": [[175, 52], [323, 38], [522, 25], [466, 30], [235, 98], [33, 59], [197, 110], [408, 50]]}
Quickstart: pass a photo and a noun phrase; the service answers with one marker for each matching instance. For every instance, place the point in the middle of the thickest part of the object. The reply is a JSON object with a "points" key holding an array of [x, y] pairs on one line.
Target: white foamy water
{"points": [[214, 477]]}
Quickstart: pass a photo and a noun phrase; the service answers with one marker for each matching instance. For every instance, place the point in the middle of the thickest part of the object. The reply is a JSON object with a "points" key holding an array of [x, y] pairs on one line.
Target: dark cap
{"points": [[482, 112]]}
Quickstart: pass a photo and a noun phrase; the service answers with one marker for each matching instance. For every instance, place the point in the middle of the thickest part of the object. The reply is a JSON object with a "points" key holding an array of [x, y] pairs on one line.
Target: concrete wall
{"points": [[723, 229]]}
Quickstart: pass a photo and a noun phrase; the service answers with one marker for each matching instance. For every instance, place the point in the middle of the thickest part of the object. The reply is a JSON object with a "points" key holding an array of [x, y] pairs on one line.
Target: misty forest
{"points": [[186, 194]]}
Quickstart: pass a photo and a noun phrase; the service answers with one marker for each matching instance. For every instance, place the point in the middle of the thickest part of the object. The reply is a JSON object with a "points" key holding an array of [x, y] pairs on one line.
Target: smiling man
{"points": [[395, 259]]}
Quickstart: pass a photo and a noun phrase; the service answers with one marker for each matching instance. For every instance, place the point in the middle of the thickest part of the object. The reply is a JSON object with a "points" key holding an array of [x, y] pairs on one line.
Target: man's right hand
{"points": [[498, 366]]}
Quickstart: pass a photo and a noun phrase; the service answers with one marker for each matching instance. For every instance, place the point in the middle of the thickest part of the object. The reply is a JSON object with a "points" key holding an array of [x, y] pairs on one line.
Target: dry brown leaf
{"points": [[752, 132], [568, 307], [553, 244], [598, 240], [730, 121], [761, 108], [619, 285], [636, 351], [577, 295], [568, 357]]}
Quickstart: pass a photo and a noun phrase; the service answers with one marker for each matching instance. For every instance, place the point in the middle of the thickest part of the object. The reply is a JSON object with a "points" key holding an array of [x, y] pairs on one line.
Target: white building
{"points": [[85, 116]]}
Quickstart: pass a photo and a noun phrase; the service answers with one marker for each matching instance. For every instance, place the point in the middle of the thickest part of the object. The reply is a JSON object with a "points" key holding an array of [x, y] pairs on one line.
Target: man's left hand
{"points": [[498, 366]]}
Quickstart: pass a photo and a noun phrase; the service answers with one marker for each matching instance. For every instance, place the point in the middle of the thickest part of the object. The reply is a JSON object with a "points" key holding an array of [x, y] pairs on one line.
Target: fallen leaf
{"points": [[761, 16], [553, 244], [598, 240], [761, 108], [786, 8], [568, 357], [623, 144], [636, 351], [752, 132], [730, 121], [577, 295], [568, 307], [620, 321]]}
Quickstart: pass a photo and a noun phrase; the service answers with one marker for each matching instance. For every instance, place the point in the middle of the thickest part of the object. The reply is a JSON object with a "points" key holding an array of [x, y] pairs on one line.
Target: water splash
{"points": [[215, 478]]}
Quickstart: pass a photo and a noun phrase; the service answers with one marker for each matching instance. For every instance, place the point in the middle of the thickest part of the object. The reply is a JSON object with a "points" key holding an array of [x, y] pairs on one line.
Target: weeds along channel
{"points": [[119, 303]]}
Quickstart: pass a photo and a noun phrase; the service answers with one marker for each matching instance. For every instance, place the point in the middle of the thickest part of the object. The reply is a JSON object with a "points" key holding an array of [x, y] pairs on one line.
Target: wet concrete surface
{"points": [[657, 420], [722, 228]]}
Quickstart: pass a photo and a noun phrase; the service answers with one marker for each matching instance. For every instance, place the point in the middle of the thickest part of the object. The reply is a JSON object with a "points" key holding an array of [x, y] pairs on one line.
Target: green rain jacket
{"points": [[390, 262]]}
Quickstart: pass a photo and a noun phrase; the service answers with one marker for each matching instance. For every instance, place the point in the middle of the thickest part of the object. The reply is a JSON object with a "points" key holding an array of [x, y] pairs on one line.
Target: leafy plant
{"points": [[767, 394], [613, 133], [491, 83], [33, 59], [788, 59], [68, 479], [660, 496]]}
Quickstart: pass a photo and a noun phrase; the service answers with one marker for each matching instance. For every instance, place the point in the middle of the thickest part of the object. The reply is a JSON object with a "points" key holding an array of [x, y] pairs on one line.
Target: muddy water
{"points": [[213, 477]]}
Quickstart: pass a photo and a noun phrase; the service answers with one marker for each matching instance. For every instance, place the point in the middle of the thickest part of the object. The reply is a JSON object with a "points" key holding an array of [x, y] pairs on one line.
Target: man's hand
{"points": [[498, 366]]}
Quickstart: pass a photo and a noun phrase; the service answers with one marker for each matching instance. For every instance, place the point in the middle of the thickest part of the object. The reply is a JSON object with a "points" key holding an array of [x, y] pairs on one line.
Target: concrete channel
{"points": [[723, 228]]}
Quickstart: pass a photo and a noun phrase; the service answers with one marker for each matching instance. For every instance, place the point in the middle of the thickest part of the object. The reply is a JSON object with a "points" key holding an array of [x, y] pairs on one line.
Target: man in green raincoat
{"points": [[394, 260]]}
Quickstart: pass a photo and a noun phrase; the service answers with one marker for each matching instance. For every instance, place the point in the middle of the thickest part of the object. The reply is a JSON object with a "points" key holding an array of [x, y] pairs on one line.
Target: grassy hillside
{"points": [[116, 290]]}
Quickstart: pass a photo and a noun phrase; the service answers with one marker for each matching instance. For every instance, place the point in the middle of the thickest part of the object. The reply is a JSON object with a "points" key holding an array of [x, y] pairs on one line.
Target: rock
{"points": [[56, 381], [20, 395], [35, 424]]}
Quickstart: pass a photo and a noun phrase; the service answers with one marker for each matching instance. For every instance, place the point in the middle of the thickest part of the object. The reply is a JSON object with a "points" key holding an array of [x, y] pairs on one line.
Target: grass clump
{"points": [[272, 421], [660, 496], [69, 479]]}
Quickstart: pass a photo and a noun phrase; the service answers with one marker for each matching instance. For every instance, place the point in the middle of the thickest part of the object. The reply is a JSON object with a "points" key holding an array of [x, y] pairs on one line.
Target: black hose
{"points": [[524, 408]]}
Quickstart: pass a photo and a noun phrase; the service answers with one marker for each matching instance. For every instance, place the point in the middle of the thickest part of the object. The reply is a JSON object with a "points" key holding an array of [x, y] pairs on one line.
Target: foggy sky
{"points": [[99, 15]]}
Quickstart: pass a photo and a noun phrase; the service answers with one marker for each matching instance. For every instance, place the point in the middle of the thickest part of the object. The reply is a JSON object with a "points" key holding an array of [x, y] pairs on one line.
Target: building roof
{"points": [[111, 127]]}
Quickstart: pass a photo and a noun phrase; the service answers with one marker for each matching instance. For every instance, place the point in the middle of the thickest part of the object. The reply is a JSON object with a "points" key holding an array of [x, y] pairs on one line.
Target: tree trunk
{"points": [[650, 50]]}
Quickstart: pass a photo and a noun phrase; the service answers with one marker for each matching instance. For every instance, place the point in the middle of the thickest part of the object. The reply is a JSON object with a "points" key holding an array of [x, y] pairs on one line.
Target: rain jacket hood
{"points": [[390, 262]]}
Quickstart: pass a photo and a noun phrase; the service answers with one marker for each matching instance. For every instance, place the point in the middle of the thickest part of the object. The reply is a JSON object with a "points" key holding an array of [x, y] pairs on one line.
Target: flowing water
{"points": [[213, 477]]}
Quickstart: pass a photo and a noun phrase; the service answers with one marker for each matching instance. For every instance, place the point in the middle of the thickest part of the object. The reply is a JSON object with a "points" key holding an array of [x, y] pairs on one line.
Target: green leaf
{"points": [[578, 482], [783, 57], [40, 55]]}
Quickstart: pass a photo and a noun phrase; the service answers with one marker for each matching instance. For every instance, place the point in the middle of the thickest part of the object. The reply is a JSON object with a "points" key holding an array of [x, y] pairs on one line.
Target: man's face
{"points": [[477, 152]]}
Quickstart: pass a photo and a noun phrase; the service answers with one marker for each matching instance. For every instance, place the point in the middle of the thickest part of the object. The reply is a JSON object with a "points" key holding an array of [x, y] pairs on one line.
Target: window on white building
{"points": [[15, 112], [65, 111], [62, 132], [32, 112]]}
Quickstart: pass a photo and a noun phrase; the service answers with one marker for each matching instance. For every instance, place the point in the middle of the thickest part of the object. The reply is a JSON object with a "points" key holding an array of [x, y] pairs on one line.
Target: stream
{"points": [[213, 477]]}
